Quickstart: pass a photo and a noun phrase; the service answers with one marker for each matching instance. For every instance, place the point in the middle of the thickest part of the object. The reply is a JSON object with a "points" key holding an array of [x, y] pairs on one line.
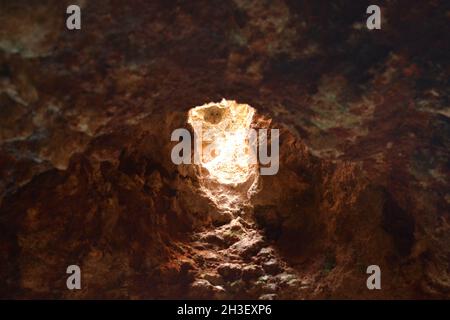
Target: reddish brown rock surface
{"points": [[85, 170]]}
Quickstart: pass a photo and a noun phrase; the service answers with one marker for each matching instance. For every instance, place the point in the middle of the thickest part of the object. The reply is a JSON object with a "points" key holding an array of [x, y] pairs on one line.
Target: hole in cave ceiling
{"points": [[227, 173]]}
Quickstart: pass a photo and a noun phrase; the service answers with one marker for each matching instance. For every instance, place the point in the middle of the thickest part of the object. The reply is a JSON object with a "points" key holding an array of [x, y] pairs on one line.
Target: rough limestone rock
{"points": [[86, 176]]}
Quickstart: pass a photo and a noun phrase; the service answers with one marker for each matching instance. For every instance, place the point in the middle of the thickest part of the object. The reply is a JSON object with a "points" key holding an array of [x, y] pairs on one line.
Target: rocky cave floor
{"points": [[236, 262], [85, 170]]}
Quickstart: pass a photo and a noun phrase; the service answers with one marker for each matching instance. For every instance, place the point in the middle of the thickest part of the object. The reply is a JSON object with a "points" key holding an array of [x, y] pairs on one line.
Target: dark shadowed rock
{"points": [[230, 271]]}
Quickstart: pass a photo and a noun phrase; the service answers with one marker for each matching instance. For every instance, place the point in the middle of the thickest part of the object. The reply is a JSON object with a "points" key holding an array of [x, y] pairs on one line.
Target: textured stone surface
{"points": [[85, 170]]}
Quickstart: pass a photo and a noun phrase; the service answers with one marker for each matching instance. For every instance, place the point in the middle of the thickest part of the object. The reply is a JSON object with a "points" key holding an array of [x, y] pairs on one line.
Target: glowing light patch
{"points": [[222, 130], [227, 174]]}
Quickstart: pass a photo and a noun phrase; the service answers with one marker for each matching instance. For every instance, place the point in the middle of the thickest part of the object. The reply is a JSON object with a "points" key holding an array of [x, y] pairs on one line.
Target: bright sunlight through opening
{"points": [[225, 149]]}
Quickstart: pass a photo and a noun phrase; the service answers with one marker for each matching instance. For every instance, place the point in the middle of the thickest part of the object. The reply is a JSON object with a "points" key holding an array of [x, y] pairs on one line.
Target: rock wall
{"points": [[85, 170]]}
